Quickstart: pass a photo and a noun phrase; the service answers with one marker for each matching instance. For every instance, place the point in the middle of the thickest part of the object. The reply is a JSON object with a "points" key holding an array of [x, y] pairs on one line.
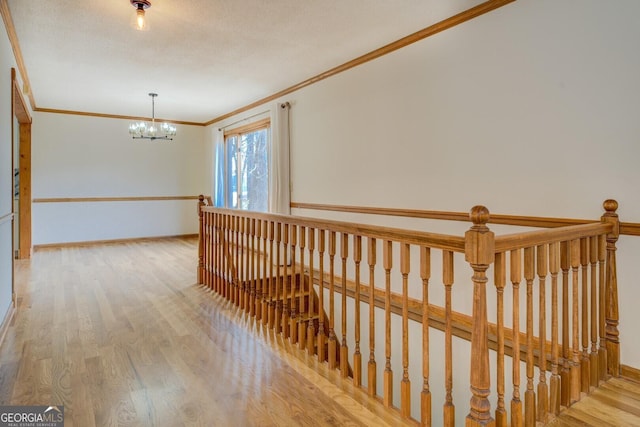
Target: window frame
{"points": [[237, 132]]}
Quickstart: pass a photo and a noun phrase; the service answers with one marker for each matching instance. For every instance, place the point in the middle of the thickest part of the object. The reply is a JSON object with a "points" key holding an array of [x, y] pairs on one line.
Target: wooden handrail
{"points": [[515, 241], [419, 238], [626, 228]]}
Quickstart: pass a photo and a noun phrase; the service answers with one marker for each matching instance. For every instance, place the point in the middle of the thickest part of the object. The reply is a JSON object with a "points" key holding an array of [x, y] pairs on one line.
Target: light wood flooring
{"points": [[121, 335], [615, 403]]}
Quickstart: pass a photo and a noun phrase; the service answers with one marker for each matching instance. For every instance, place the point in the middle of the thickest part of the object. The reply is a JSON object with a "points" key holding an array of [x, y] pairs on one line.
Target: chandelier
{"points": [[152, 131]]}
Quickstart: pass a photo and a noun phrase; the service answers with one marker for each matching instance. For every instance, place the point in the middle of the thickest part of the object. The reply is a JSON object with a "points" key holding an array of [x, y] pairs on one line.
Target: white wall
{"points": [[77, 157], [530, 110]]}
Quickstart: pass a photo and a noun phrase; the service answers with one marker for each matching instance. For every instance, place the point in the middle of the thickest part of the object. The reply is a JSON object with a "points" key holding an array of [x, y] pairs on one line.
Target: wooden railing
{"points": [[303, 278]]}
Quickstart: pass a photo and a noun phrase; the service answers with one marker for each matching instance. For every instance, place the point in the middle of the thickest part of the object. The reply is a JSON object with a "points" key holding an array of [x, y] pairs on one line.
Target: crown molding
{"points": [[17, 53], [114, 116], [436, 28], [429, 31]]}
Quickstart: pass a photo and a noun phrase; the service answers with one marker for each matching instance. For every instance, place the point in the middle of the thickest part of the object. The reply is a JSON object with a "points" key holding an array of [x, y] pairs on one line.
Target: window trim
{"points": [[258, 125], [251, 127]]}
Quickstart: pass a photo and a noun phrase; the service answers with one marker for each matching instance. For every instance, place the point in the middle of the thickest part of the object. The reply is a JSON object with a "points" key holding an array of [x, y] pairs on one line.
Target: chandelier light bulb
{"points": [[139, 21]]}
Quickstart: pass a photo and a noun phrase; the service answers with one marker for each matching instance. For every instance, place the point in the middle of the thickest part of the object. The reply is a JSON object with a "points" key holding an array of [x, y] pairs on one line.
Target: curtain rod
{"points": [[242, 120], [285, 104]]}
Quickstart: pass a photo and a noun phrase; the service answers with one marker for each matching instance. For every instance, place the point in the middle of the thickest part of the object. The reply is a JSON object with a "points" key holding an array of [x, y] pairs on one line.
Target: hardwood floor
{"points": [[121, 336], [615, 403]]}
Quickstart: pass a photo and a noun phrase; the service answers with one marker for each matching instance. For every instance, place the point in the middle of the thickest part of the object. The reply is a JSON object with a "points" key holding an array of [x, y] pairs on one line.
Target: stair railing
{"points": [[302, 277]]}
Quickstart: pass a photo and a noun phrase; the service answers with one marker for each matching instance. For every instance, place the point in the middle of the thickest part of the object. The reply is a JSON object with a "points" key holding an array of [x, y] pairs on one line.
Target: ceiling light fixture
{"points": [[152, 131], [140, 22]]}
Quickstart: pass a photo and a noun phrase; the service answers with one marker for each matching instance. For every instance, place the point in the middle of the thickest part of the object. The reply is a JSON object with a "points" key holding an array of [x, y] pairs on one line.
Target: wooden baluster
{"points": [[296, 287], [237, 262], [223, 229], [344, 349], [449, 410], [332, 278], [246, 283], [214, 249], [479, 253], [585, 368], [214, 242], [251, 295], [287, 282], [405, 384], [371, 374], [575, 362], [249, 285], [602, 352], [254, 252], [554, 253], [311, 331], [302, 289], [257, 277], [213, 271], [213, 256], [500, 273], [220, 248], [206, 248], [266, 256], [228, 254], [234, 267], [515, 275], [529, 394], [425, 396], [387, 256], [593, 354], [246, 263], [220, 233], [543, 389], [273, 280], [612, 315], [322, 338], [279, 280], [201, 239], [223, 246], [242, 267], [565, 373], [242, 276], [357, 356]]}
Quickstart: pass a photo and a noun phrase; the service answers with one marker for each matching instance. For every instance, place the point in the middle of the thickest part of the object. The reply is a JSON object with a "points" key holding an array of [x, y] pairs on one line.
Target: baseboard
{"points": [[111, 241], [630, 373], [8, 318]]}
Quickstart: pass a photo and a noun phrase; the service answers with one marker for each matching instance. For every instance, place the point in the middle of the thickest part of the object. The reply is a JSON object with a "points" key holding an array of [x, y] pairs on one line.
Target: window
{"points": [[246, 167]]}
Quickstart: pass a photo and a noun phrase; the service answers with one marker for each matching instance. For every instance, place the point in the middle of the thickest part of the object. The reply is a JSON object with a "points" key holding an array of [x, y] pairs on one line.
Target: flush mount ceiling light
{"points": [[152, 131], [140, 23]]}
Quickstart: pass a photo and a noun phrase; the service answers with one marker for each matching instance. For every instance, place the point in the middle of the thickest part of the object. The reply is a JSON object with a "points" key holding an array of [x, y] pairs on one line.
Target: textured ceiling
{"points": [[204, 58]]}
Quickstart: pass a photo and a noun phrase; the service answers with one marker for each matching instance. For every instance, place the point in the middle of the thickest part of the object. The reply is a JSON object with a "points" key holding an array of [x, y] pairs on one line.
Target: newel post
{"points": [[479, 253], [200, 239], [611, 290]]}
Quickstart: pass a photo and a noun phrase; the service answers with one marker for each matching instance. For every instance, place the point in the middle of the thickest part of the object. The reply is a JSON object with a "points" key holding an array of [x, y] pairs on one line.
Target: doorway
{"points": [[21, 132]]}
